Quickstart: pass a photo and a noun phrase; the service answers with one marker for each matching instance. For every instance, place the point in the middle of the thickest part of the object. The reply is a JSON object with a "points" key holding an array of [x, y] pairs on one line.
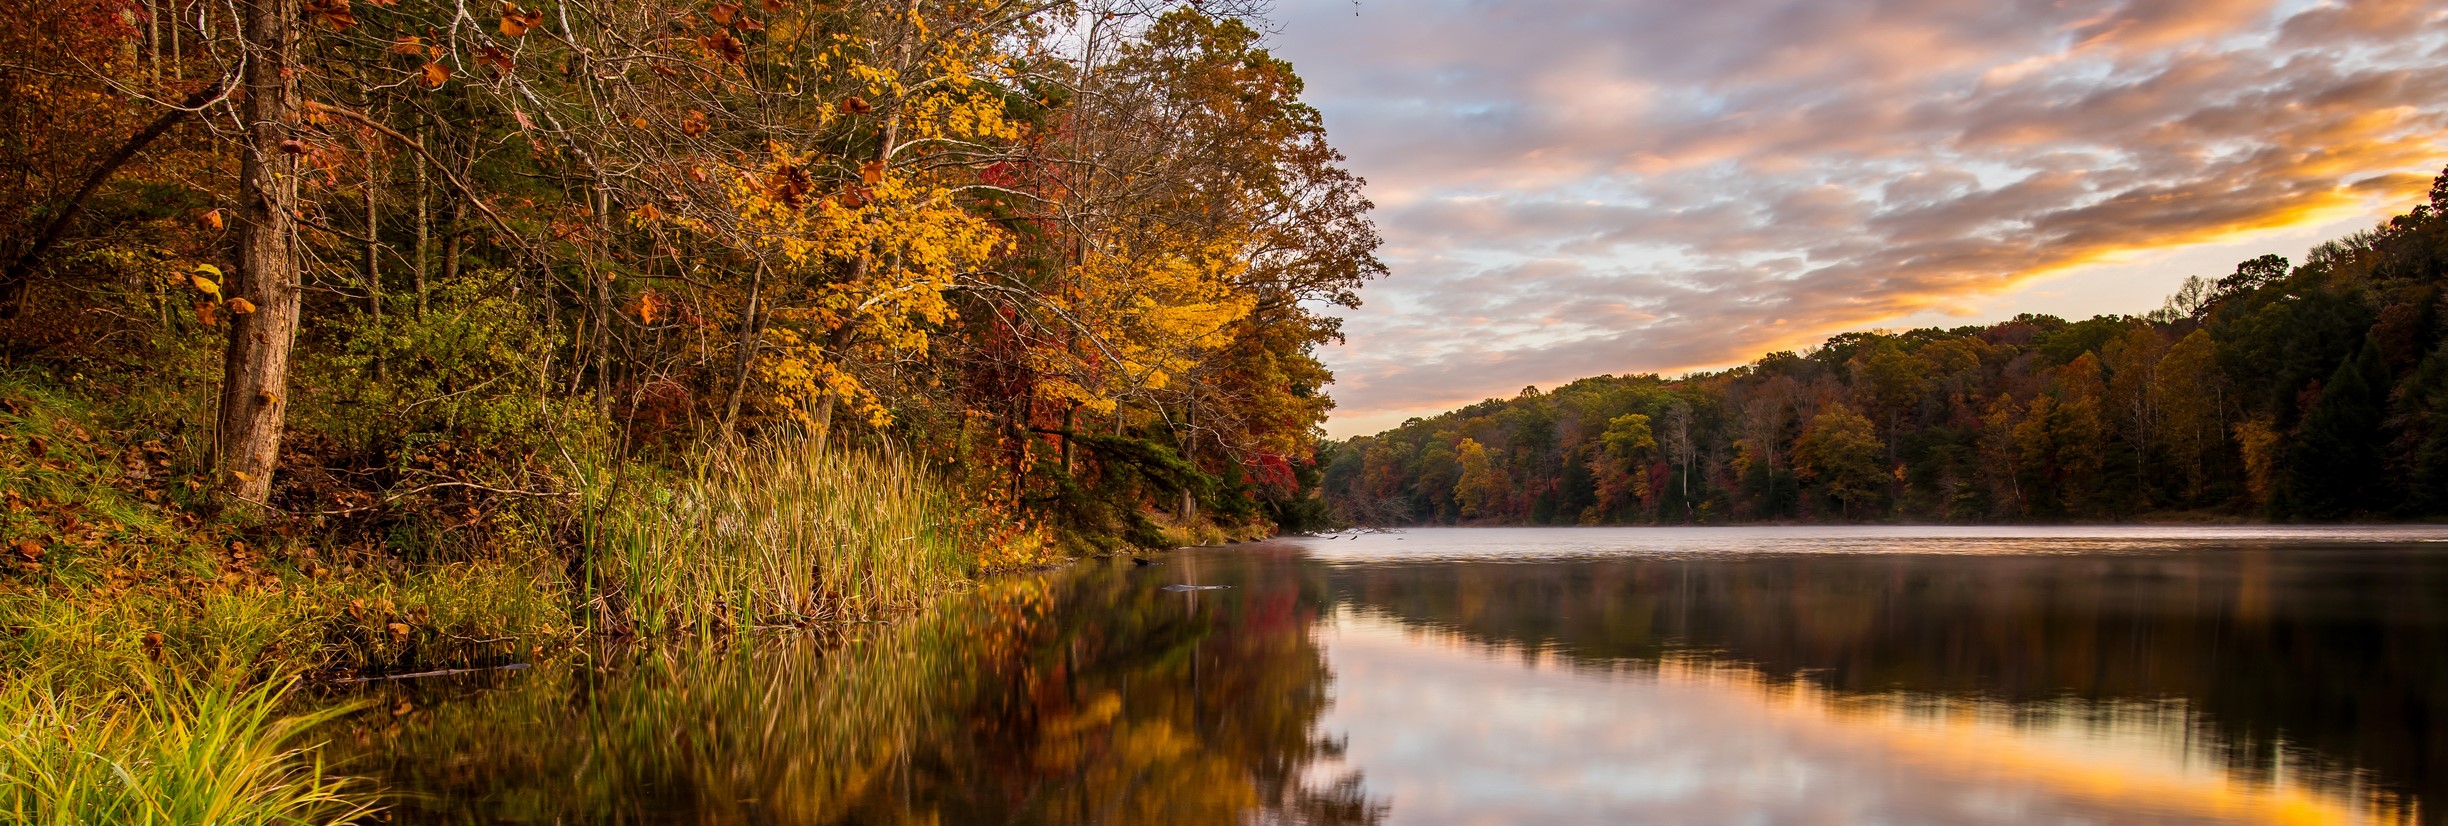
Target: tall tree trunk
{"points": [[747, 352], [424, 220], [373, 254], [255, 377]]}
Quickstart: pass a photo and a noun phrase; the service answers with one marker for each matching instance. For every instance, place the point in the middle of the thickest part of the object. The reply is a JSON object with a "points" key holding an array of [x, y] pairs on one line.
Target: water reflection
{"points": [[1084, 698], [1581, 676], [2187, 679]]}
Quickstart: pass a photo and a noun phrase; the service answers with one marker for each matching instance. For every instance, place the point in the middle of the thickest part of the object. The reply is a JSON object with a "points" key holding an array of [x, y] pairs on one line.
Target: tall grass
{"points": [[782, 532], [172, 752]]}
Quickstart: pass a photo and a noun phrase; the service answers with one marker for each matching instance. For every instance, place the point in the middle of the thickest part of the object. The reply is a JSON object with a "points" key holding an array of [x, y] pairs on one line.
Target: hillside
{"points": [[2311, 391]]}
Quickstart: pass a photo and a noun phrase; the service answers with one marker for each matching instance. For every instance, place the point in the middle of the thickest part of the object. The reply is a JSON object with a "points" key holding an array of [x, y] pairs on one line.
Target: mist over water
{"points": [[1936, 675]]}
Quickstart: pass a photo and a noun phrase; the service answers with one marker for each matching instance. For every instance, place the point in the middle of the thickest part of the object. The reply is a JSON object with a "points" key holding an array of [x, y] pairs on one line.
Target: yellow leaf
{"points": [[240, 306], [435, 75], [202, 284]]}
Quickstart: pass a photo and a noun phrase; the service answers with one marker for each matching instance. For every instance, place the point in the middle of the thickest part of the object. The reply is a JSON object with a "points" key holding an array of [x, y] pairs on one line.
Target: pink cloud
{"points": [[1584, 187]]}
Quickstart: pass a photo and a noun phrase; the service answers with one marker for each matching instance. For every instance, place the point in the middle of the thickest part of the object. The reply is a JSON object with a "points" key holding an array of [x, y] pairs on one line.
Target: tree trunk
{"points": [[747, 353], [373, 254], [255, 377], [424, 221]]}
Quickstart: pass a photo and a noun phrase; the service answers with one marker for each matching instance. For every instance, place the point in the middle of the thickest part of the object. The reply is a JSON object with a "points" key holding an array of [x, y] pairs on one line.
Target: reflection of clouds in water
{"points": [[1451, 731]]}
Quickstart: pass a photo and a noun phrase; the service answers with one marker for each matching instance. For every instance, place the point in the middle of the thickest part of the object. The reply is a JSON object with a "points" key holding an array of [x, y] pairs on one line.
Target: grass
{"points": [[149, 648], [781, 532], [178, 752]]}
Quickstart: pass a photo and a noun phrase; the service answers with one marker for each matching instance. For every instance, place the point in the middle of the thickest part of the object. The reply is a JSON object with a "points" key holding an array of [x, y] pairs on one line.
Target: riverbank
{"points": [[138, 620]]}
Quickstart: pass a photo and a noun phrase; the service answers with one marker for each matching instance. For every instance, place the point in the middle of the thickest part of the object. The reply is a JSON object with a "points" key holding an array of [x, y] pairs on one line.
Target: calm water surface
{"points": [[1779, 675]]}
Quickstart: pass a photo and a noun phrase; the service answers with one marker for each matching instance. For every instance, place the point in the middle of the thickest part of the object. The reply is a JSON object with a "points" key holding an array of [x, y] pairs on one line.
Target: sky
{"points": [[1570, 188]]}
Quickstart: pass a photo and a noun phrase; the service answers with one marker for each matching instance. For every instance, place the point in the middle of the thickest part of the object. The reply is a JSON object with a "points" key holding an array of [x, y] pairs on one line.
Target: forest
{"points": [[411, 269], [364, 337], [2288, 392]]}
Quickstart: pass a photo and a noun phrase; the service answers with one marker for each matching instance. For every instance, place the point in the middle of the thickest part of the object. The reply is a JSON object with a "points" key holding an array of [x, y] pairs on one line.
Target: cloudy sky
{"points": [[1576, 187]]}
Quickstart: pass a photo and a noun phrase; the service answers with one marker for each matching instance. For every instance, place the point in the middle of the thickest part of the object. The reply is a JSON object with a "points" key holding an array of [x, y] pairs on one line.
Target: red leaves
{"points": [[210, 220], [855, 105], [728, 14], [723, 45], [695, 124], [496, 58], [516, 21], [333, 13], [789, 185]]}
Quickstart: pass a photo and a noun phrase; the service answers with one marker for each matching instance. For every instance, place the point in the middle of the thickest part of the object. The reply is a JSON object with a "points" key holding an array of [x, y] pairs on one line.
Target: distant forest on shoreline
{"points": [[2294, 392]]}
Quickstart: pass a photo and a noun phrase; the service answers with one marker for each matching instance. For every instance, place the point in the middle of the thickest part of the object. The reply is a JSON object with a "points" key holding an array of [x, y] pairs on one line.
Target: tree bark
{"points": [[255, 377], [424, 221], [373, 253], [747, 352]]}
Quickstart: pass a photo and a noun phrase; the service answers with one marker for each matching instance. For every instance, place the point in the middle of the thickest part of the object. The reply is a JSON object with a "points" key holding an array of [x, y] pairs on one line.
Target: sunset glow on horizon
{"points": [[1581, 188]]}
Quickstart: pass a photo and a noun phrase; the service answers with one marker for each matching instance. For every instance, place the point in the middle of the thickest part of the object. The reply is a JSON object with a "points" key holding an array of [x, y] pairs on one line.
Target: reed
{"points": [[780, 532], [170, 751]]}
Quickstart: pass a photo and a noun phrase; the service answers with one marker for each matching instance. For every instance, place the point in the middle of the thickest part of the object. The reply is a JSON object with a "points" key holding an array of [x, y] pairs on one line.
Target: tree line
{"points": [[2311, 391], [1077, 252]]}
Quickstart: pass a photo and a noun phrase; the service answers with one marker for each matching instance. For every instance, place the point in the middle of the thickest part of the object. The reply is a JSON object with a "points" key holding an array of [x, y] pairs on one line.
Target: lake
{"points": [[1551, 675]]}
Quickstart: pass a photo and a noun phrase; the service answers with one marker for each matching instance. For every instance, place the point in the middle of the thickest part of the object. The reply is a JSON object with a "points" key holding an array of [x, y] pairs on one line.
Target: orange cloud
{"points": [[1607, 188]]}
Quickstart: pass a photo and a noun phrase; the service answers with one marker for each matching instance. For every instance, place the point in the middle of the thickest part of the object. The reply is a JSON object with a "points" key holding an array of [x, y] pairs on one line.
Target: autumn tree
{"points": [[1480, 489], [1839, 455], [2189, 401]]}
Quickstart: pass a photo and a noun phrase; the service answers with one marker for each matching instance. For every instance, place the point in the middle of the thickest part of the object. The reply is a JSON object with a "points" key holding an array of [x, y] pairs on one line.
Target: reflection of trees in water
{"points": [[2338, 651], [1081, 698]]}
